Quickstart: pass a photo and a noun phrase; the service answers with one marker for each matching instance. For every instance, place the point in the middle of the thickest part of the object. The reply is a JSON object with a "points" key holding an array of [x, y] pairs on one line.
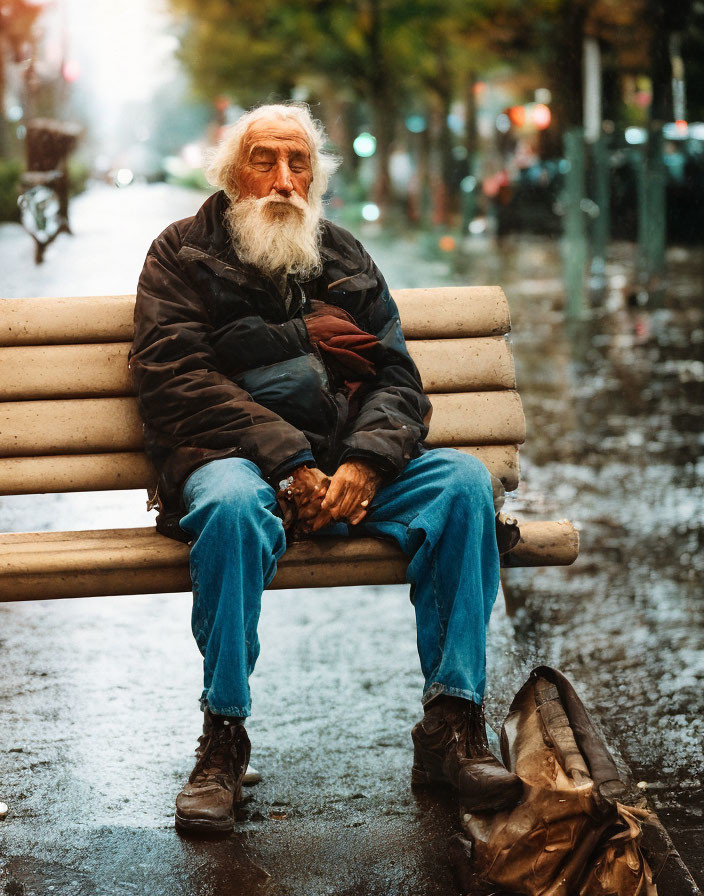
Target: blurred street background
{"points": [[554, 148]]}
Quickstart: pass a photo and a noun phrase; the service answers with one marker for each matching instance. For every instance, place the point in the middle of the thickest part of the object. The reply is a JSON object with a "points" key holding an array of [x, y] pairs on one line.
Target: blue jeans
{"points": [[439, 510]]}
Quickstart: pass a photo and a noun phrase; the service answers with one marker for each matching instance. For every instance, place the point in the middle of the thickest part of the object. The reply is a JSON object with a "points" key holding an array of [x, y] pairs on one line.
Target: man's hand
{"points": [[350, 492], [307, 491]]}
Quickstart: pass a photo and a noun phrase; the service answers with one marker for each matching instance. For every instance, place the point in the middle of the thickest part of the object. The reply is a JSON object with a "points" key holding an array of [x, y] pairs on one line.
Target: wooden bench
{"points": [[69, 422]]}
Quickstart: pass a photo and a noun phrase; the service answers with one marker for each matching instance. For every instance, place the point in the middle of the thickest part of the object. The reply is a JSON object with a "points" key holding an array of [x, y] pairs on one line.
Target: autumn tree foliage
{"points": [[391, 57]]}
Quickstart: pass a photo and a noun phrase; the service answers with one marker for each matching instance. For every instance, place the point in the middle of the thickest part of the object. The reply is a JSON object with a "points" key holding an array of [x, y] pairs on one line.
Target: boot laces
{"points": [[216, 755], [468, 730]]}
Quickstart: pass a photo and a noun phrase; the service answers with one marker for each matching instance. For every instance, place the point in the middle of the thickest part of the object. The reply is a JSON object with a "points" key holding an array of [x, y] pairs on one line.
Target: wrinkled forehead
{"points": [[275, 132]]}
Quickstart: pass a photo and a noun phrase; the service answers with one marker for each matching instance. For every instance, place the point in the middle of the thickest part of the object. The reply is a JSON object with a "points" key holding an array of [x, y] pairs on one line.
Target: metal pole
{"points": [[592, 89], [598, 159], [574, 243], [656, 224], [601, 225]]}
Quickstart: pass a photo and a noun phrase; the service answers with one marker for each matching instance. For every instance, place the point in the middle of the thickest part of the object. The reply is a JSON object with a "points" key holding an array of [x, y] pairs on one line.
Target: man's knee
{"points": [[226, 493], [463, 475]]}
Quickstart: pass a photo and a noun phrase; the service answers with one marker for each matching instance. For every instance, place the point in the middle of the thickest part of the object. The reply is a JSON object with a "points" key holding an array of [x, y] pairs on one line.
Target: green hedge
{"points": [[10, 173]]}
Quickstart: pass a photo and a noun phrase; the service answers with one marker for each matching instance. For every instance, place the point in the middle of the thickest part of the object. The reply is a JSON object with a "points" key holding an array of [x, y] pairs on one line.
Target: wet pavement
{"points": [[100, 715]]}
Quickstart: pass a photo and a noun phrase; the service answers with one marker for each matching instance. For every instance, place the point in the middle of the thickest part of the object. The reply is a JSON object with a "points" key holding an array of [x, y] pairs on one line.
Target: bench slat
{"points": [[57, 321], [34, 372], [37, 566], [75, 473], [464, 365], [100, 369], [124, 470], [91, 425], [452, 311]]}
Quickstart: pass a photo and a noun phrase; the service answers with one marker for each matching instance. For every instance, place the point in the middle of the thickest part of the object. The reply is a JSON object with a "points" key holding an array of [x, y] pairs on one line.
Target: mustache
{"points": [[276, 207], [293, 200]]}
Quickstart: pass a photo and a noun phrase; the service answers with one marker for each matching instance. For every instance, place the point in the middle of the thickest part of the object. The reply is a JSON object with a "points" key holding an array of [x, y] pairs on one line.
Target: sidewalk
{"points": [[112, 231], [100, 702]]}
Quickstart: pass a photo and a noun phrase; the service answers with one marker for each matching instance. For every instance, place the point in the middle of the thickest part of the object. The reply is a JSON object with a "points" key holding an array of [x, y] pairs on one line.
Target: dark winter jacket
{"points": [[222, 368]]}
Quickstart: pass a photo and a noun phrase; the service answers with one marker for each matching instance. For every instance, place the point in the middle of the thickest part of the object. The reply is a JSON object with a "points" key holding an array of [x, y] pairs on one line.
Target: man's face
{"points": [[276, 162]]}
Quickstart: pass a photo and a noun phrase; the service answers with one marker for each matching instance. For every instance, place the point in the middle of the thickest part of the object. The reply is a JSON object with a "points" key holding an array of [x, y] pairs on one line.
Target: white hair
{"points": [[224, 161]]}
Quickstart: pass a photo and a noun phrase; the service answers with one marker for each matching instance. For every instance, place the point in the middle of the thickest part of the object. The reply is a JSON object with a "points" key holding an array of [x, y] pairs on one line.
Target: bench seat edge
{"points": [[48, 565]]}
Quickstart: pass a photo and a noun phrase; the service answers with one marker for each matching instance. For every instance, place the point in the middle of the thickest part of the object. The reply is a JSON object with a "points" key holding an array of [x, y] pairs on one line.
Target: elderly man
{"points": [[277, 391]]}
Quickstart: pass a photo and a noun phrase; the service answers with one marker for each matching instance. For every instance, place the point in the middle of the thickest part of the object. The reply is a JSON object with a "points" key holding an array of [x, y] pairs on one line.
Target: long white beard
{"points": [[275, 235]]}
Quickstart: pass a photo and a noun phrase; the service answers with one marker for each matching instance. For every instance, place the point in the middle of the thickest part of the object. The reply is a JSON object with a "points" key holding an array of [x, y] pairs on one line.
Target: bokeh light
{"points": [[124, 177], [503, 123], [416, 124], [541, 116], [364, 145], [636, 136]]}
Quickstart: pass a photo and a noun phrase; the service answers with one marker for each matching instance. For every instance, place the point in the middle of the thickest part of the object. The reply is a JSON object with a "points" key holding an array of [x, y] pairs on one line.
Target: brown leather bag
{"points": [[569, 836]]}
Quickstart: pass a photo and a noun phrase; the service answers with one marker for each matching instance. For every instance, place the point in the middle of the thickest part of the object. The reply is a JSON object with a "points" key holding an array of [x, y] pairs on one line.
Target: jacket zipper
{"points": [[302, 306]]}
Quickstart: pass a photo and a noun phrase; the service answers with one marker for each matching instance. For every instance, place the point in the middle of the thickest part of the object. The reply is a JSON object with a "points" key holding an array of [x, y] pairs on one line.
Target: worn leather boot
{"points": [[206, 805], [450, 747]]}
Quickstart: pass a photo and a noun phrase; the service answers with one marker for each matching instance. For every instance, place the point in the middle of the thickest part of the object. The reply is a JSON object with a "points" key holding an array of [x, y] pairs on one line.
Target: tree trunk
{"points": [[566, 83], [471, 130], [447, 199], [443, 161], [384, 116], [424, 181], [652, 223], [382, 101]]}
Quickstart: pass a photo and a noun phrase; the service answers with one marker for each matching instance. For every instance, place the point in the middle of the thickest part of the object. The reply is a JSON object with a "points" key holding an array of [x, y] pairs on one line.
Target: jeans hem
{"points": [[438, 689], [239, 712]]}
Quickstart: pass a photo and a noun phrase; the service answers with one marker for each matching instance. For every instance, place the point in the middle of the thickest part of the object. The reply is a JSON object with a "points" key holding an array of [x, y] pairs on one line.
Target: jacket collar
{"points": [[207, 231], [206, 240]]}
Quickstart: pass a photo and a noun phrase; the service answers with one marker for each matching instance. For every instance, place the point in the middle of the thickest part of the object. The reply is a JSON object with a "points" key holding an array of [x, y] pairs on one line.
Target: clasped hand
{"points": [[345, 497]]}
